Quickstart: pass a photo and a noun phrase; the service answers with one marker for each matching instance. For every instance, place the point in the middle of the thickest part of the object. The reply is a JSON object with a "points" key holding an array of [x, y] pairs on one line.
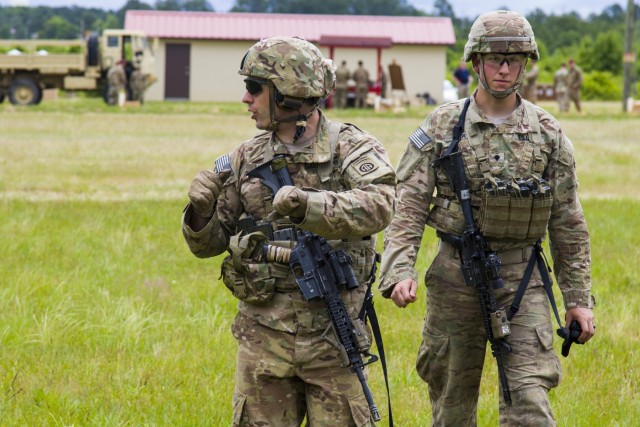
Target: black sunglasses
{"points": [[254, 85]]}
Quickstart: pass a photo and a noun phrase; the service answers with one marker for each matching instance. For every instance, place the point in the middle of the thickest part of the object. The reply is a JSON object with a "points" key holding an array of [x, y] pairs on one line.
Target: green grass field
{"points": [[106, 319]]}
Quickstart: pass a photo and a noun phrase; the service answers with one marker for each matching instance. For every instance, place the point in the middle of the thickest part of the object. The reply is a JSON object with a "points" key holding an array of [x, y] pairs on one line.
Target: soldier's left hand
{"points": [[291, 201]]}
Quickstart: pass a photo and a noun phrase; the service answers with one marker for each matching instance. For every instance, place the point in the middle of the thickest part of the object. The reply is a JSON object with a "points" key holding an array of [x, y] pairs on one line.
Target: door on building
{"points": [[177, 69]]}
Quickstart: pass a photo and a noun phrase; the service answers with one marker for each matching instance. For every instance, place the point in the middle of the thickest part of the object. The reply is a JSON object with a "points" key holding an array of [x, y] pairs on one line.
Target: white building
{"points": [[198, 53]]}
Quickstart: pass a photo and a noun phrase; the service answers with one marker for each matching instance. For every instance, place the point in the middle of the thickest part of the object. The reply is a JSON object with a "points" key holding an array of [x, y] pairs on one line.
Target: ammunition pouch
{"points": [[519, 210], [244, 275], [253, 282]]}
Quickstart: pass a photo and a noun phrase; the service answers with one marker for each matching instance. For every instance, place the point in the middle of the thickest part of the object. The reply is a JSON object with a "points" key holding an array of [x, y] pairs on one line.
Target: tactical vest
{"points": [[255, 281], [517, 208]]}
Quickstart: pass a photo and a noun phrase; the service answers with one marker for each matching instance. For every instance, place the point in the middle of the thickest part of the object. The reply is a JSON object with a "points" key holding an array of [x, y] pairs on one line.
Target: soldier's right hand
{"points": [[204, 191], [404, 292]]}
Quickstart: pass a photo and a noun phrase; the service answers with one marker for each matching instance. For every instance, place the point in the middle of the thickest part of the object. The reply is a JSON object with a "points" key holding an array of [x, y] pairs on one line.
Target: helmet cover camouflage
{"points": [[501, 31], [295, 66]]}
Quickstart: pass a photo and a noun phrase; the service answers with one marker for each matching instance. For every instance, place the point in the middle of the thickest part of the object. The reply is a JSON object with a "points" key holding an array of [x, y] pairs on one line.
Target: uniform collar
{"points": [[319, 151], [517, 122]]}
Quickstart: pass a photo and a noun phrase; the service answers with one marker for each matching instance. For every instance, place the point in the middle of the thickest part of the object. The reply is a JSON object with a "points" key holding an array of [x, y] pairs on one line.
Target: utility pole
{"points": [[628, 59]]}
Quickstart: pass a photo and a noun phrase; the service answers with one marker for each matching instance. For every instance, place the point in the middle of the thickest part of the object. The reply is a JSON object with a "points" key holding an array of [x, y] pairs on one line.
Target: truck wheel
{"points": [[24, 91]]}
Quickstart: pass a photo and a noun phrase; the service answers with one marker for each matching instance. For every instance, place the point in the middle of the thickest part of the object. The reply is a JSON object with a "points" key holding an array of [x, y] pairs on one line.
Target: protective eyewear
{"points": [[254, 85], [513, 59]]}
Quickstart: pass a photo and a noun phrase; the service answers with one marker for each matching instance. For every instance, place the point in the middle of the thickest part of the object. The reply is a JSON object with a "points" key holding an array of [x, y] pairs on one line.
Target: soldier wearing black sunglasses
{"points": [[288, 366]]}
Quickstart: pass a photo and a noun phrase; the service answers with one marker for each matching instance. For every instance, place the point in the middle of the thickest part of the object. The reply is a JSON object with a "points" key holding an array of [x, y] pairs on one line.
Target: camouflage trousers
{"points": [[452, 354], [574, 96], [340, 97], [563, 101], [281, 378]]}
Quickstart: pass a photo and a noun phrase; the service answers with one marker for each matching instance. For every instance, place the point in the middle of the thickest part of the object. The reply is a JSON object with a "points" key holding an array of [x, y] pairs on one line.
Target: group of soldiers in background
{"points": [[125, 83], [362, 83], [567, 83]]}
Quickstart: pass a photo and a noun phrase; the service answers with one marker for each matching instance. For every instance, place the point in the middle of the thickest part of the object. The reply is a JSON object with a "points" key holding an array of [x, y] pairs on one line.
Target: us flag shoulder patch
{"points": [[223, 163], [419, 138]]}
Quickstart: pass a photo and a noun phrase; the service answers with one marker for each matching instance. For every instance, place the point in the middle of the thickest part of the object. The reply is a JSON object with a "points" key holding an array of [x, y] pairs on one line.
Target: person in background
{"points": [[288, 365], [560, 86], [342, 78], [117, 80], [531, 78], [513, 154], [574, 81], [138, 85], [463, 80], [361, 77], [383, 83]]}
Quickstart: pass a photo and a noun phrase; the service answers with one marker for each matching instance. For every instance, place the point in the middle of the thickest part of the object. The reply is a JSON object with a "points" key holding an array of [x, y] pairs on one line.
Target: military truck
{"points": [[27, 67]]}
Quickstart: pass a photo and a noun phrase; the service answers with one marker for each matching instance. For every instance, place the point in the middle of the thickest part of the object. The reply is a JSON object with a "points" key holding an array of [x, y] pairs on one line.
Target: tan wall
{"points": [[215, 64], [423, 67], [214, 70]]}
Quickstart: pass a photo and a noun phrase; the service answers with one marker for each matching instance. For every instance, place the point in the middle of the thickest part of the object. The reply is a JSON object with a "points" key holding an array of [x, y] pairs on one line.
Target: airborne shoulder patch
{"points": [[419, 138], [223, 163], [365, 165]]}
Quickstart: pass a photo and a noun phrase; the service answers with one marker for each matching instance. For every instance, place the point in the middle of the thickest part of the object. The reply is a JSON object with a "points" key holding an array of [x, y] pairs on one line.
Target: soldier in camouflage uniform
{"points": [[342, 78], [560, 88], [574, 81], [138, 85], [506, 139], [288, 366], [117, 79], [361, 77]]}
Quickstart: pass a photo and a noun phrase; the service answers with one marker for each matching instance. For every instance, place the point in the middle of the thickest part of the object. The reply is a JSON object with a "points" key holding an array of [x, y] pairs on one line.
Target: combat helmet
{"points": [[296, 67], [502, 31], [295, 71]]}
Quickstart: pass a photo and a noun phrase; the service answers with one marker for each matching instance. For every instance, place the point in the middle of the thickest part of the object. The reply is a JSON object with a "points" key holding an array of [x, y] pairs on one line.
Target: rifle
{"points": [[480, 266], [320, 272]]}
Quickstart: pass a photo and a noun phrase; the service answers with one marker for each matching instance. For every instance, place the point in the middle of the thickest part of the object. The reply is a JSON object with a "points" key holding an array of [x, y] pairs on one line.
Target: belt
{"points": [[514, 256]]}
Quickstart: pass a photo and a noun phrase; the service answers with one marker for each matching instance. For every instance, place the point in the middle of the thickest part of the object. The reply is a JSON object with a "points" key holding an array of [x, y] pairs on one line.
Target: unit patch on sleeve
{"points": [[419, 138], [365, 165]]}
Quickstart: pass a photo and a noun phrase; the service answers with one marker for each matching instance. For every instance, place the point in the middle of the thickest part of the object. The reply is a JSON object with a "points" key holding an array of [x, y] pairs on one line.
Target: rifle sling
{"points": [[368, 312], [537, 257]]}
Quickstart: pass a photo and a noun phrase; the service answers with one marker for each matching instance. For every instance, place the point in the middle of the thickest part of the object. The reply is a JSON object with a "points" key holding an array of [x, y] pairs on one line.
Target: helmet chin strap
{"points": [[300, 119], [500, 94]]}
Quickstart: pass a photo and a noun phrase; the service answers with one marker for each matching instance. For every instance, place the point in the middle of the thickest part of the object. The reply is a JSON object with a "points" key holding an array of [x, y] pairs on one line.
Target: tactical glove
{"points": [[204, 192], [291, 201]]}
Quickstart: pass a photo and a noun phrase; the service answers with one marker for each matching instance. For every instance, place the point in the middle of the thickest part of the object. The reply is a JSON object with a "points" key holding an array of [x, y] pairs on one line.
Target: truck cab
{"points": [[27, 67], [131, 46]]}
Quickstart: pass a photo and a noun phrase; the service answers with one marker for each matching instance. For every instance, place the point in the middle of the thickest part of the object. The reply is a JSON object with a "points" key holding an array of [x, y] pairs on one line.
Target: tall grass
{"points": [[107, 319]]}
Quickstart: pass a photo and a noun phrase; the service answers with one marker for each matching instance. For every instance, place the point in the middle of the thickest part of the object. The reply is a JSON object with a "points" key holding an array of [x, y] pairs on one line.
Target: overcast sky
{"points": [[461, 8]]}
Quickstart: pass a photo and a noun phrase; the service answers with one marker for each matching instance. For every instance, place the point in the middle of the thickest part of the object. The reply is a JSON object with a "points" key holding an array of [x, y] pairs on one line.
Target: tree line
{"points": [[596, 42]]}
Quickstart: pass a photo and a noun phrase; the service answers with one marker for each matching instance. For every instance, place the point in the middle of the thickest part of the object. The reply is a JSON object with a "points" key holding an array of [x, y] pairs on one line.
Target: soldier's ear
{"points": [[475, 62]]}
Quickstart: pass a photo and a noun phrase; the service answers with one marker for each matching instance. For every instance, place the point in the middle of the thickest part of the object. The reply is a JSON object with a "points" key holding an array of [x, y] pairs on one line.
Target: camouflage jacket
{"points": [[574, 78], [510, 154], [349, 202], [560, 80], [342, 77]]}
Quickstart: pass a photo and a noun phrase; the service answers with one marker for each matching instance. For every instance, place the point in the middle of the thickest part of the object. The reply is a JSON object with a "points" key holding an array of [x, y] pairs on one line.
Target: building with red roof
{"points": [[198, 53]]}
